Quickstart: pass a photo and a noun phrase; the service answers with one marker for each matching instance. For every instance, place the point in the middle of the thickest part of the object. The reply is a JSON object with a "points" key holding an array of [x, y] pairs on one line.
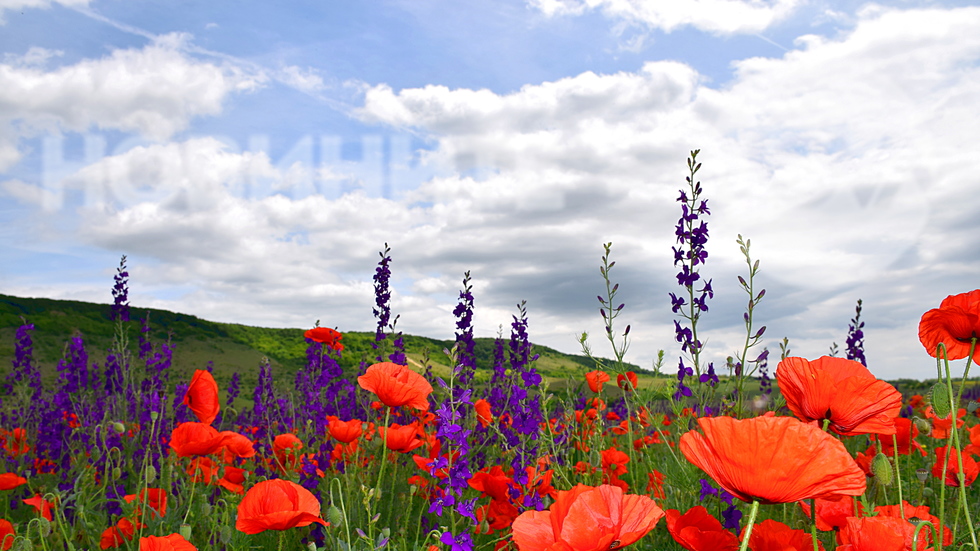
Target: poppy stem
{"points": [[898, 472], [748, 527], [813, 518]]}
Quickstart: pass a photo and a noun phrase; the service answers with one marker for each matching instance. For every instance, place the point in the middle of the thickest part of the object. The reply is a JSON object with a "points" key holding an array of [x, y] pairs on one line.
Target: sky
{"points": [[252, 160]]}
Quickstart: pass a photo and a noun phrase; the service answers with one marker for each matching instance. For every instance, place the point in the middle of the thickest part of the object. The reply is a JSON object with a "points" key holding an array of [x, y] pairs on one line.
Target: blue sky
{"points": [[253, 160]]}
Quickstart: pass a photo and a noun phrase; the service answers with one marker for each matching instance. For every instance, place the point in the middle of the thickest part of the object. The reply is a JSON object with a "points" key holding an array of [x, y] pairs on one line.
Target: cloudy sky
{"points": [[252, 162]]}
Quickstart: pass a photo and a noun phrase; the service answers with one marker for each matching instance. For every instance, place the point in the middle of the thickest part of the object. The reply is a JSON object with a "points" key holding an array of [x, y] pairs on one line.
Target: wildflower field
{"points": [[391, 455]]}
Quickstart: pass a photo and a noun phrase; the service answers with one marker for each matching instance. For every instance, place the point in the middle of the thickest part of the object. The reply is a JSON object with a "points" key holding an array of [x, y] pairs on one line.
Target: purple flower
{"points": [[120, 292], [855, 337]]}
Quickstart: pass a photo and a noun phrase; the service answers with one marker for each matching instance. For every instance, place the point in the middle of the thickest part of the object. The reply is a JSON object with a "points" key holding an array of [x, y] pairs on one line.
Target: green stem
{"points": [[898, 475], [748, 527]]}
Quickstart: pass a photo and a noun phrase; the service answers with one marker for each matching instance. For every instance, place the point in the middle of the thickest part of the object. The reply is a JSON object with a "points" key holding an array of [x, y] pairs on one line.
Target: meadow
{"points": [[324, 440]]}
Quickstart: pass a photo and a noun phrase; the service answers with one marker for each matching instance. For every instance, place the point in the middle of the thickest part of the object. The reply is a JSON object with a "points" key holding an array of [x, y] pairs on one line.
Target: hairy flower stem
{"points": [[748, 527], [381, 474], [741, 359], [898, 476], [955, 439]]}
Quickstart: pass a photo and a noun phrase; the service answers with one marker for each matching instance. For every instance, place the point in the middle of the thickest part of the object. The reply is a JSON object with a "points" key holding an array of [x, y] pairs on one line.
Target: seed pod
{"points": [[882, 469], [922, 475], [185, 531], [939, 399]]}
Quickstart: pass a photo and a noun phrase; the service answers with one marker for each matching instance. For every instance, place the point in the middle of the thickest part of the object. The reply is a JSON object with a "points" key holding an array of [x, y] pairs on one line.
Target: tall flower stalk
{"points": [[855, 337], [739, 364]]}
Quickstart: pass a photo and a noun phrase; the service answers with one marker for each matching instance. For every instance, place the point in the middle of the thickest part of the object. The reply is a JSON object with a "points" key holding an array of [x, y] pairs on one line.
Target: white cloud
{"points": [[715, 16], [154, 91]]}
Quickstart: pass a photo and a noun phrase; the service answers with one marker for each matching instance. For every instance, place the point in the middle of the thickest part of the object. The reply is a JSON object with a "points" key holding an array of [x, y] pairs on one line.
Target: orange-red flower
{"points": [[587, 519], [156, 498], [832, 513], [970, 467], [344, 431], [772, 535], [195, 439], [234, 445], [327, 336], [483, 412], [905, 433], [402, 439], [396, 385], [922, 513], [7, 534], [233, 479], [941, 427], [879, 533], [286, 449], [277, 504], [15, 441], [955, 324], [173, 542], [802, 461], [655, 484], [841, 390], [115, 536], [596, 379], [697, 530], [202, 396], [42, 506], [9, 481], [627, 381]]}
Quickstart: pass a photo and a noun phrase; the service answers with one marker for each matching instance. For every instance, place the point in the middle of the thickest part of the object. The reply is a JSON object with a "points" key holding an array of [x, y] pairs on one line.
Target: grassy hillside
{"points": [[231, 347]]}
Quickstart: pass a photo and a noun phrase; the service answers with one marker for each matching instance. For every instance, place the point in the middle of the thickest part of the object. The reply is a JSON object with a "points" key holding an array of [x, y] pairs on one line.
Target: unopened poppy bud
{"points": [[185, 531], [927, 492], [922, 424], [154, 415], [335, 516], [44, 526], [922, 475], [224, 534], [386, 532], [206, 509], [118, 427], [972, 406], [882, 469], [116, 473], [310, 546], [940, 400], [151, 474]]}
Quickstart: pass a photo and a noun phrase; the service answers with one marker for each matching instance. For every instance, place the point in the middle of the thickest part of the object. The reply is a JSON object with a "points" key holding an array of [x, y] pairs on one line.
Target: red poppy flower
{"points": [[326, 336], [115, 536], [494, 484], [802, 461], [203, 469], [922, 513], [596, 379], [202, 397], [9, 481], [697, 530], [396, 385], [277, 504], [772, 535], [233, 479], [235, 445], [173, 542], [905, 433], [498, 514], [401, 439], [344, 431], [970, 467], [587, 519], [941, 427], [15, 442], [7, 529], [832, 513], [41, 505], [483, 412], [875, 534], [629, 377], [841, 390], [655, 484], [955, 324], [864, 459], [286, 449], [195, 439], [156, 498]]}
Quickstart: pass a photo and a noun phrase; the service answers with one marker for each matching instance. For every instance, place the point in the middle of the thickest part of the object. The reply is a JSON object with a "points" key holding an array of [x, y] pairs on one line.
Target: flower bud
{"points": [[118, 427], [44, 526], [939, 399], [882, 469], [335, 516], [927, 492], [972, 406], [151, 474], [310, 546], [185, 531], [116, 473], [923, 425], [224, 534]]}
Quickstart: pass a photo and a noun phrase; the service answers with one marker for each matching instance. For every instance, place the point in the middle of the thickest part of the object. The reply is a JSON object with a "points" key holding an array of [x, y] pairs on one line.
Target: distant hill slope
{"points": [[231, 347]]}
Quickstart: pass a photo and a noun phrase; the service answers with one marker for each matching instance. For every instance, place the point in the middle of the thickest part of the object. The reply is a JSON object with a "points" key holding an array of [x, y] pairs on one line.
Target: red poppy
{"points": [[498, 514], [864, 459], [156, 498], [9, 481], [596, 379], [905, 433], [970, 467], [655, 484], [940, 427], [7, 529], [15, 442], [115, 536], [277, 504], [233, 479], [483, 412], [396, 385], [195, 439], [203, 469], [173, 542], [772, 535], [629, 377], [587, 519], [802, 461], [875, 534], [202, 396], [327, 336], [41, 505], [832, 513], [841, 390], [494, 484], [401, 439], [235, 445], [955, 324], [922, 513], [697, 530], [286, 449], [344, 431]]}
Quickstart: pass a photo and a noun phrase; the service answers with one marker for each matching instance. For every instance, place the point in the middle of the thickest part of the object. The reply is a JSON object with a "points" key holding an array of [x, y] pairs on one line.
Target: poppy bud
{"points": [[224, 534], [310, 546], [151, 474], [940, 400], [972, 406], [206, 509], [116, 473], [922, 424], [927, 492], [185, 531], [119, 427], [335, 516], [882, 469], [44, 526]]}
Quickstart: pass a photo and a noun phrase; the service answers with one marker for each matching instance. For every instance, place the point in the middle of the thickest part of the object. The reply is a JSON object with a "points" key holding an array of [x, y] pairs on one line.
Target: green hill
{"points": [[231, 347]]}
